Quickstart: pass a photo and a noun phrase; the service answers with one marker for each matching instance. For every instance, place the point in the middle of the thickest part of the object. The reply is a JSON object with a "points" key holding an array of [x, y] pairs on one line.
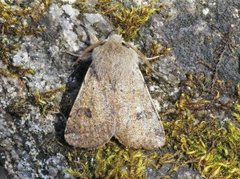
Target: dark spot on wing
{"points": [[88, 113], [113, 84], [84, 111], [140, 115]]}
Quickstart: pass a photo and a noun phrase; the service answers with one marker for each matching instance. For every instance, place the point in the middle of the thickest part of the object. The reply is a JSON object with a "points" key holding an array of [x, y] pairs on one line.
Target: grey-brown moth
{"points": [[114, 101]]}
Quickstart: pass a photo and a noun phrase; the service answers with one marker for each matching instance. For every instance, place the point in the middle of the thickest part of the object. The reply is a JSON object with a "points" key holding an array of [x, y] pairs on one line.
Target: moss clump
{"points": [[110, 161], [236, 112], [207, 143], [122, 163], [15, 71], [158, 50], [45, 100], [196, 137], [127, 20], [18, 106], [17, 21], [210, 148], [7, 73]]}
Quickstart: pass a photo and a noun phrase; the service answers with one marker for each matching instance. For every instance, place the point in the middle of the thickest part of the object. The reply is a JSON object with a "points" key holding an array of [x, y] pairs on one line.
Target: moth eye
{"points": [[100, 43], [124, 44]]}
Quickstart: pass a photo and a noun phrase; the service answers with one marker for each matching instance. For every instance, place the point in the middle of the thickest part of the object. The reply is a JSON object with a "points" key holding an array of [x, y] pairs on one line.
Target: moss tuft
{"points": [[110, 161], [18, 21], [45, 100], [127, 20], [194, 138], [207, 143]]}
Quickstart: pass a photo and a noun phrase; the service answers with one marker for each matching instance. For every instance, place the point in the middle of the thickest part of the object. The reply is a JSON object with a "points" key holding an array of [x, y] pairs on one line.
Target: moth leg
{"points": [[142, 56], [150, 58], [71, 53], [146, 59]]}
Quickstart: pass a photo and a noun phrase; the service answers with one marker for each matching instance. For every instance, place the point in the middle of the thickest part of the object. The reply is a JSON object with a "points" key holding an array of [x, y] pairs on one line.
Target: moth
{"points": [[114, 101]]}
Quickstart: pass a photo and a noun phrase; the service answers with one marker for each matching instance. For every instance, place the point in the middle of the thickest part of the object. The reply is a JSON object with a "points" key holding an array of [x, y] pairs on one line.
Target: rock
{"points": [[29, 140]]}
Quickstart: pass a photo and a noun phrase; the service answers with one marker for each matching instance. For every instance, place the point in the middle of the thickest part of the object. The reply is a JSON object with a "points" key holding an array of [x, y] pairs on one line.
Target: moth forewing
{"points": [[138, 124], [90, 123], [114, 101]]}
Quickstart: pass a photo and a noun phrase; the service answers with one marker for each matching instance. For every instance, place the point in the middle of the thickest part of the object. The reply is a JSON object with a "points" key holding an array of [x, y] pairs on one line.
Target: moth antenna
{"points": [[93, 41], [88, 49], [146, 61], [110, 33], [71, 53], [142, 56]]}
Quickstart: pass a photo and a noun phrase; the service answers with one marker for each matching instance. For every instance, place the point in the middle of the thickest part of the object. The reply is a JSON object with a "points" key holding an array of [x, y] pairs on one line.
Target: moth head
{"points": [[115, 38]]}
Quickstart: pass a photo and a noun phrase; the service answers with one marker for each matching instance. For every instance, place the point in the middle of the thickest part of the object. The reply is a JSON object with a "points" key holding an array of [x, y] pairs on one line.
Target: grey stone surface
{"points": [[195, 30], [201, 30]]}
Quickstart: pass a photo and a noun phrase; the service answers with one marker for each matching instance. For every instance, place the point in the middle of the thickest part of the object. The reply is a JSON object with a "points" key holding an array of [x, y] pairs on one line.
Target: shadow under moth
{"points": [[114, 101]]}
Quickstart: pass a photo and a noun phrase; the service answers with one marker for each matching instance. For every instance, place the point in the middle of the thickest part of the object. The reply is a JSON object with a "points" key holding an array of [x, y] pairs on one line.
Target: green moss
{"points": [[18, 70], [212, 149], [236, 112], [158, 50], [46, 100], [7, 73], [18, 106], [195, 137], [210, 146], [127, 20], [122, 163], [17, 22], [110, 161]]}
